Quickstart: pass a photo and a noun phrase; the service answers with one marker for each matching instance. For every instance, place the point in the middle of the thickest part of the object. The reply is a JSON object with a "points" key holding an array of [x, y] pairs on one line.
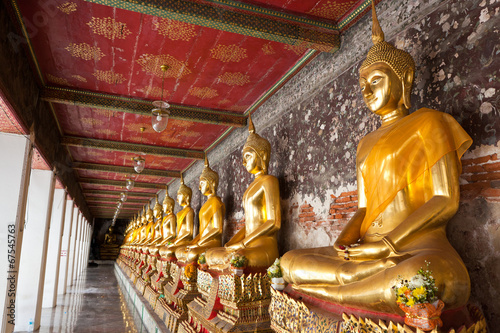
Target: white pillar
{"points": [[33, 256], [84, 246], [14, 176], [68, 224], [54, 252], [72, 250], [78, 247]]}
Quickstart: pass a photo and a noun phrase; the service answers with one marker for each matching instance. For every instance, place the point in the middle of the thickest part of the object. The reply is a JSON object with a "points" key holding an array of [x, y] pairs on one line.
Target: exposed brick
{"points": [[338, 216], [306, 205], [304, 210], [495, 184], [306, 214], [491, 192], [344, 199], [345, 194], [492, 166], [333, 211], [332, 196], [486, 176], [474, 186], [337, 206], [482, 159], [308, 218], [473, 169]]}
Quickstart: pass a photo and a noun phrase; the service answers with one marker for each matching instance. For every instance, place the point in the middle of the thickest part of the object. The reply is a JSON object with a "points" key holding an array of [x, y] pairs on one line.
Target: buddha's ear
{"points": [[408, 77]]}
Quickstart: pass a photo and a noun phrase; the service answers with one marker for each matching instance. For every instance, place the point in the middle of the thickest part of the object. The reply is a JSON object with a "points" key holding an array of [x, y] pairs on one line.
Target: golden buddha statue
{"points": [[110, 237], [408, 189], [169, 221], [261, 203], [141, 233], [185, 222], [211, 219], [156, 231]]}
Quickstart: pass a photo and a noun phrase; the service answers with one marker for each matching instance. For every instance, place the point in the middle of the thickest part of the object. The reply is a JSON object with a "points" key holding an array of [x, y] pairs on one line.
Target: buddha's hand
{"points": [[236, 247], [374, 250]]}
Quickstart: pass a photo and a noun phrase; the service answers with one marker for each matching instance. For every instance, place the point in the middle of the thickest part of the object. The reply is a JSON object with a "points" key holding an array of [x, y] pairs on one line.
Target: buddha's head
{"points": [[149, 214], [184, 194], [386, 75], [144, 220], [209, 180], [158, 213], [168, 203], [256, 151], [110, 229]]}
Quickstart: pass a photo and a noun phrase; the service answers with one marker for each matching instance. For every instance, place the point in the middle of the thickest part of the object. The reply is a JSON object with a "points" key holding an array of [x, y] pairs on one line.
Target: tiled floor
{"points": [[94, 303]]}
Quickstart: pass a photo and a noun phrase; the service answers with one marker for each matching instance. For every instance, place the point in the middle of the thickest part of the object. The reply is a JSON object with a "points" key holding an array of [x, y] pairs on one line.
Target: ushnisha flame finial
{"points": [[377, 33], [251, 128], [210, 175], [167, 198], [184, 189]]}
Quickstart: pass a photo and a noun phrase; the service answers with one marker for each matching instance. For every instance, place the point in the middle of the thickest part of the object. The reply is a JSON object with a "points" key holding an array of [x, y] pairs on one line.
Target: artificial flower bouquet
{"points": [[417, 298], [202, 261], [276, 276], [238, 263]]}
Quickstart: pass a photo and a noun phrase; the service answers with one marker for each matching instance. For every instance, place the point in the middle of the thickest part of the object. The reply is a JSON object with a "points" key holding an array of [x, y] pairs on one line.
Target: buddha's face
{"points": [[381, 88], [167, 208], [157, 212], [205, 187], [251, 161], [182, 199]]}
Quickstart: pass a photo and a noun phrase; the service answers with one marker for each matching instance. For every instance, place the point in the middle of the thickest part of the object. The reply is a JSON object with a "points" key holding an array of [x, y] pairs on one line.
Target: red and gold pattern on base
{"points": [[309, 315], [230, 303]]}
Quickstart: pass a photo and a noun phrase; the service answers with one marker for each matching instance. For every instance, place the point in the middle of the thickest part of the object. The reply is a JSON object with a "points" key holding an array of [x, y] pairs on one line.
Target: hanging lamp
{"points": [[139, 161], [129, 184], [160, 113]]}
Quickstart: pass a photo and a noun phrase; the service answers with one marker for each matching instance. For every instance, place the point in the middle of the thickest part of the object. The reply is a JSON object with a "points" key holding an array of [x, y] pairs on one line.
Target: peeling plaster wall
{"points": [[316, 120]]}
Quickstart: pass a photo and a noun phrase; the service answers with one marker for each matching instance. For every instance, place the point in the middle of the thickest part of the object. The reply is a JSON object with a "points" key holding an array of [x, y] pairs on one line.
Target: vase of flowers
{"points": [[202, 261], [238, 264], [274, 273], [417, 298]]}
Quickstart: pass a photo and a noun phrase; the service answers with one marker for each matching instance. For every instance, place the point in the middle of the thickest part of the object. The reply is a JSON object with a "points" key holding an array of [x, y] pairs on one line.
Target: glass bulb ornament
{"points": [[139, 164], [119, 205], [159, 116], [129, 184], [123, 196]]}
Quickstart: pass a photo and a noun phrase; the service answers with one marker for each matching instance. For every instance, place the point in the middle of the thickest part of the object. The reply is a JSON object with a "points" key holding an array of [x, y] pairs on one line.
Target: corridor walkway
{"points": [[94, 303]]}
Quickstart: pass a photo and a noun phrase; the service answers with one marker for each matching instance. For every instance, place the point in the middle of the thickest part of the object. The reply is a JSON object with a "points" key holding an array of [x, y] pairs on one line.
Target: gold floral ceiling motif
{"points": [[67, 7], [297, 49], [191, 134], [58, 80], [175, 30], [268, 49], [182, 123], [109, 77], [109, 28], [240, 108], [135, 127], [228, 53], [91, 121], [332, 10], [151, 63], [85, 51], [224, 101], [203, 93], [104, 113], [106, 131], [155, 92], [79, 78], [234, 79]]}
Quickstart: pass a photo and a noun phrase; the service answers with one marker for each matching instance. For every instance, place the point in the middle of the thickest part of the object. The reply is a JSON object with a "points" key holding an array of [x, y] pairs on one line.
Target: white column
{"points": [[78, 248], [68, 224], [54, 252], [14, 176], [84, 246], [32, 257], [72, 250]]}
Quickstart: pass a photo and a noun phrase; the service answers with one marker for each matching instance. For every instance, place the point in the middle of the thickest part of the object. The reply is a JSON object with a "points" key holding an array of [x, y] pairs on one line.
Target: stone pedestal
{"points": [[109, 251], [295, 312]]}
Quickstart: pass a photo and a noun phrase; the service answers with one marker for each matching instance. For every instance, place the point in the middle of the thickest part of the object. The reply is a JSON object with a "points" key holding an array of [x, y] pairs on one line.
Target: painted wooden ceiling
{"points": [[98, 65]]}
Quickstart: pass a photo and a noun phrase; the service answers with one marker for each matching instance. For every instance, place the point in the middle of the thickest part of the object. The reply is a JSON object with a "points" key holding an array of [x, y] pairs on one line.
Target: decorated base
{"points": [[141, 284], [229, 303], [109, 252], [292, 311]]}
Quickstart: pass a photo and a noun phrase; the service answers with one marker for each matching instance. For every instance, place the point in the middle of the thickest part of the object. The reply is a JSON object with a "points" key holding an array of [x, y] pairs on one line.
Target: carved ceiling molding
{"points": [[131, 147], [278, 26], [91, 200], [139, 106], [125, 170], [121, 183]]}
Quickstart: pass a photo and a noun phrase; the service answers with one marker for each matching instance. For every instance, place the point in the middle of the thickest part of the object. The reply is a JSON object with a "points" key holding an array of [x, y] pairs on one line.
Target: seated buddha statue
{"points": [[185, 222], [169, 221], [408, 189], [110, 238], [157, 234], [149, 233], [211, 219], [141, 229], [261, 203]]}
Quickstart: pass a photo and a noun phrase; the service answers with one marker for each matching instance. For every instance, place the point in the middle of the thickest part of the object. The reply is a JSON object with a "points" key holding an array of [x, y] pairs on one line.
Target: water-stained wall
{"points": [[316, 120]]}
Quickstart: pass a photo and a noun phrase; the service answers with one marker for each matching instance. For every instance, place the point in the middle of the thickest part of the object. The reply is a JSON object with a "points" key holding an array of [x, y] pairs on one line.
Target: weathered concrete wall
{"points": [[316, 120]]}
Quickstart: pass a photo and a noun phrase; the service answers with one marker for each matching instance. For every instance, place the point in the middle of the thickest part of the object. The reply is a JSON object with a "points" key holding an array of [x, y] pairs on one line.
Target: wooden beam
{"points": [[139, 106], [125, 170], [131, 147], [88, 193], [245, 19], [121, 183]]}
